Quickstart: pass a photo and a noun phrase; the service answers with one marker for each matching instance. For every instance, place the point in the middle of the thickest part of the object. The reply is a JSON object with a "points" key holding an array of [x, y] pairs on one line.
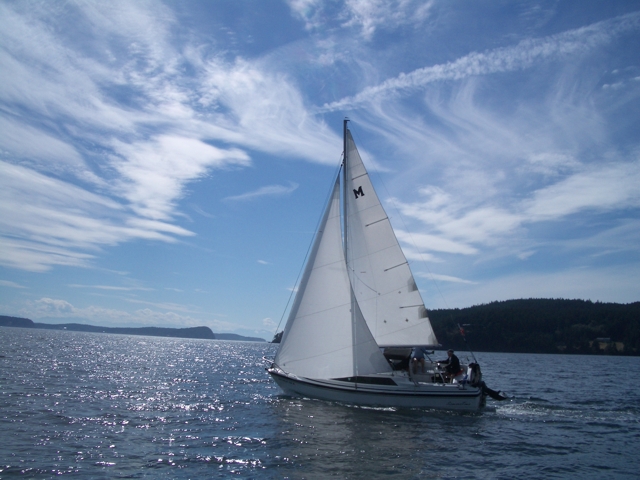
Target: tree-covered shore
{"points": [[542, 326]]}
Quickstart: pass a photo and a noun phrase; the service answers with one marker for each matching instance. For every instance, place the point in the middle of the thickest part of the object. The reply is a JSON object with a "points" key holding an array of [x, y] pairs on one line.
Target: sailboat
{"points": [[358, 312]]}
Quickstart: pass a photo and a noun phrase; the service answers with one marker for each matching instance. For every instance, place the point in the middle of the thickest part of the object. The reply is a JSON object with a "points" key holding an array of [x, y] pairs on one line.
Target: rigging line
{"points": [[315, 232]]}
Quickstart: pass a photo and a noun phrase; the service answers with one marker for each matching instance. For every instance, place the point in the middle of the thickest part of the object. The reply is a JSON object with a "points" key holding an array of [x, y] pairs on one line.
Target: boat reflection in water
{"points": [[369, 442]]}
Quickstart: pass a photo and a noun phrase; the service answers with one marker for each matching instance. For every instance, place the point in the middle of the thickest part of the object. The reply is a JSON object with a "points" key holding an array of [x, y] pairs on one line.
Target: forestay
{"points": [[380, 275]]}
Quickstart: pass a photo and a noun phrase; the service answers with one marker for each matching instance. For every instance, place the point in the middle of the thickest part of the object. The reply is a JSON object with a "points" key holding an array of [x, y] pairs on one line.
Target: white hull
{"points": [[405, 393]]}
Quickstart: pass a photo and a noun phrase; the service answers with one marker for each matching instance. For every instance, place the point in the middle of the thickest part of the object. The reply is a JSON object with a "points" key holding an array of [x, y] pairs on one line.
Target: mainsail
{"points": [[322, 339], [380, 275]]}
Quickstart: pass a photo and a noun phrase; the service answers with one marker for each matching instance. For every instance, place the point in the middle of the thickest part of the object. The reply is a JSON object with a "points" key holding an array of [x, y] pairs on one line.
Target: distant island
{"points": [[539, 326], [192, 332]]}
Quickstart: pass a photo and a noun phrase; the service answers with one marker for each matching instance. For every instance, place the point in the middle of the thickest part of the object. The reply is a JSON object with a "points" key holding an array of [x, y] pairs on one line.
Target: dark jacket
{"points": [[453, 364]]}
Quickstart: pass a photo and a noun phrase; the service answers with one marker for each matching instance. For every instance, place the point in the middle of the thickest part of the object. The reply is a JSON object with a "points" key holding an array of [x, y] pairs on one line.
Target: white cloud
{"points": [[552, 163], [268, 190], [51, 76], [153, 173], [56, 308], [119, 101], [266, 111], [307, 10], [200, 211], [507, 59], [482, 230], [106, 123], [459, 228], [444, 278], [112, 288], [38, 257], [51, 307], [173, 307], [10, 284], [367, 16], [608, 284], [434, 243], [371, 15], [25, 142], [455, 225], [621, 236], [601, 188], [268, 323], [47, 222]]}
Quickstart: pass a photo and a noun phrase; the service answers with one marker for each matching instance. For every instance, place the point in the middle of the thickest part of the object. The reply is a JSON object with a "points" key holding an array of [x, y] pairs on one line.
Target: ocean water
{"points": [[85, 405]]}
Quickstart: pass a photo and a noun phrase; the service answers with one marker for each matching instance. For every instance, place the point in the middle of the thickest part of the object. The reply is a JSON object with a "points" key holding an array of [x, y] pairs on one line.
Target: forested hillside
{"points": [[542, 326]]}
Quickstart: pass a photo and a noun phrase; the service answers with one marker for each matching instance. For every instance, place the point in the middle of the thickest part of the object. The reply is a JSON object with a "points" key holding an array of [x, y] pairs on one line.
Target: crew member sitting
{"points": [[453, 365]]}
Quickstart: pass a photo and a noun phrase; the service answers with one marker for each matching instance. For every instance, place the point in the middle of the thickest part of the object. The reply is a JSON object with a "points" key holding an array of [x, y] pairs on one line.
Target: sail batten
{"points": [[396, 266], [373, 223]]}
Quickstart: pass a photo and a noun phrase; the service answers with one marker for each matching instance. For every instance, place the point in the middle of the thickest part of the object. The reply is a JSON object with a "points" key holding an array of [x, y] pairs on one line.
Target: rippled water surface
{"points": [[109, 406]]}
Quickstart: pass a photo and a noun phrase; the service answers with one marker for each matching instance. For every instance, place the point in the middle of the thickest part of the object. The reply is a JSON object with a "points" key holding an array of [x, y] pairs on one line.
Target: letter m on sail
{"points": [[358, 192]]}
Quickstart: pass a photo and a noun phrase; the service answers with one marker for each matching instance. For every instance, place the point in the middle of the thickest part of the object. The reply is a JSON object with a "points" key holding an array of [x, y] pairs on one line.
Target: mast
{"points": [[345, 215], [344, 184]]}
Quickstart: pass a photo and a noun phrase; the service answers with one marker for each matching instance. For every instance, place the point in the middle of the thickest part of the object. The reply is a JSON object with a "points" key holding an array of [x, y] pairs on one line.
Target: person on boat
{"points": [[452, 365], [417, 358]]}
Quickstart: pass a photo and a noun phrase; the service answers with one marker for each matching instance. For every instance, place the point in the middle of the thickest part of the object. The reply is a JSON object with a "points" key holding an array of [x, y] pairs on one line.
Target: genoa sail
{"points": [[378, 270]]}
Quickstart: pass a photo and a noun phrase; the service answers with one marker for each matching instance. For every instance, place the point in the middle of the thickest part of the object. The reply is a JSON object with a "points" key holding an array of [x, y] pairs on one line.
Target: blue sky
{"points": [[166, 163]]}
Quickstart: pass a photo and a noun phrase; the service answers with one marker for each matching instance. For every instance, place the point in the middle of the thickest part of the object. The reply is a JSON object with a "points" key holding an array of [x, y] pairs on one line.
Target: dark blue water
{"points": [[109, 406]]}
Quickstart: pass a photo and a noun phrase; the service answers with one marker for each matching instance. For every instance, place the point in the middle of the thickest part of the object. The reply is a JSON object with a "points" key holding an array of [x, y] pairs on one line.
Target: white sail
{"points": [[380, 275], [322, 339]]}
